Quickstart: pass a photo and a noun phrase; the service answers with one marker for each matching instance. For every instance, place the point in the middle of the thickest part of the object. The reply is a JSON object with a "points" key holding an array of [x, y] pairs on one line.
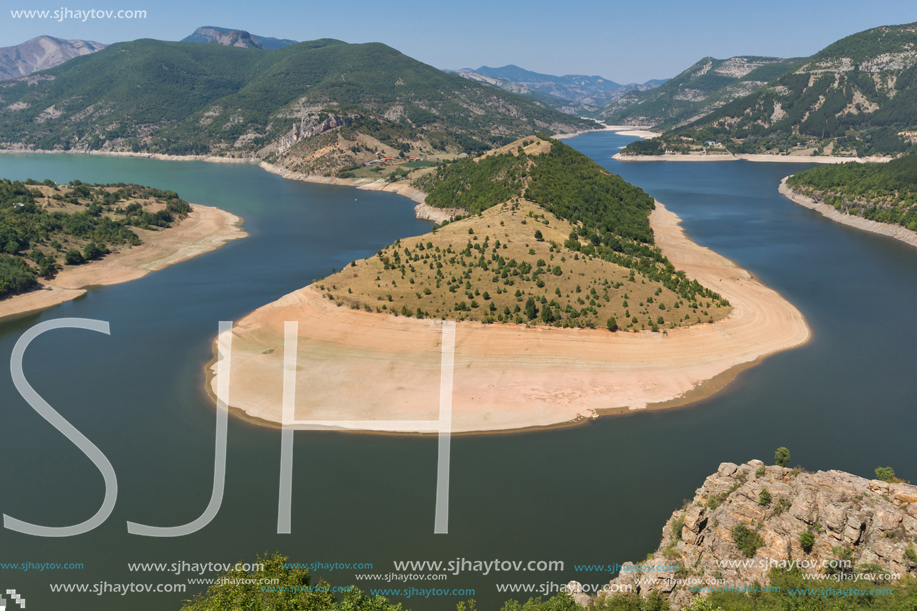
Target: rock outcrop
{"points": [[41, 53], [310, 126], [855, 524]]}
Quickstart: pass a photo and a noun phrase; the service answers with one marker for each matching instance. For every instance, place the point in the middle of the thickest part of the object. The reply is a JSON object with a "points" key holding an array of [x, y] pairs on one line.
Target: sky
{"points": [[622, 41]]}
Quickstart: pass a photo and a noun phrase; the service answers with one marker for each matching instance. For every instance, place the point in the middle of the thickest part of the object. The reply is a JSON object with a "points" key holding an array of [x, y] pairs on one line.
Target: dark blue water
{"points": [[595, 494]]}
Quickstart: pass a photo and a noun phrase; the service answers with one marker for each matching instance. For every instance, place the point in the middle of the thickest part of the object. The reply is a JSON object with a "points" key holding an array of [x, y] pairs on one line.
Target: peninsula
{"points": [[58, 240], [879, 198], [574, 294]]}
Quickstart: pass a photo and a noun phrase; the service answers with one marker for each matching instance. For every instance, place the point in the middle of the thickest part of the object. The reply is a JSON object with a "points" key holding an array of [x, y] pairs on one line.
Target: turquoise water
{"points": [[594, 494]]}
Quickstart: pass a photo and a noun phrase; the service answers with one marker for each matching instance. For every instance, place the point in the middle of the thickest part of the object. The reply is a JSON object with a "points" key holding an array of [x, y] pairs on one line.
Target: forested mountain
{"points": [[707, 85], [41, 53], [185, 98], [884, 192], [573, 93], [236, 38], [855, 97]]}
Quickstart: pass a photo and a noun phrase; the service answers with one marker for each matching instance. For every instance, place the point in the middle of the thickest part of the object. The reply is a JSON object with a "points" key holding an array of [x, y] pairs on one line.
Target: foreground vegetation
{"points": [[45, 227], [884, 192], [293, 590], [550, 238]]}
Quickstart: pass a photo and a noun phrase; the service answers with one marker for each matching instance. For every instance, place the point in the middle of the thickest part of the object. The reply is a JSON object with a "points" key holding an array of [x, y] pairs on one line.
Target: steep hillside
{"points": [[236, 38], [41, 53], [856, 97], [884, 192], [704, 87], [551, 239], [184, 98], [753, 525], [575, 94]]}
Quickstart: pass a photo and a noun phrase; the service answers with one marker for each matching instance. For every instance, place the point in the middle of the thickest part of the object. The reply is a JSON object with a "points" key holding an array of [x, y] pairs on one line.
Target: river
{"points": [[596, 494]]}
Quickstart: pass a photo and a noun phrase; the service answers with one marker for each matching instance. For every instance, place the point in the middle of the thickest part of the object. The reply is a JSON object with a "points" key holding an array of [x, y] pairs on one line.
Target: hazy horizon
{"points": [[620, 42]]}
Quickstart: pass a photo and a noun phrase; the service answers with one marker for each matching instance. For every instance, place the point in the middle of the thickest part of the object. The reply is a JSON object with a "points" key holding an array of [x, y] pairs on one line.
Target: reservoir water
{"points": [[596, 494]]}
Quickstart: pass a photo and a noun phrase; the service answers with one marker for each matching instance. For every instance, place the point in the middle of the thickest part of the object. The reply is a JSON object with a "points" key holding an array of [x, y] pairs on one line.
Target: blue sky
{"points": [[622, 41]]}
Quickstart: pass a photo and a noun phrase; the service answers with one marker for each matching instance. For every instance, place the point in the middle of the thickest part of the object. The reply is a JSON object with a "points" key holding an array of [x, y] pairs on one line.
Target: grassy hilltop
{"points": [[550, 239]]}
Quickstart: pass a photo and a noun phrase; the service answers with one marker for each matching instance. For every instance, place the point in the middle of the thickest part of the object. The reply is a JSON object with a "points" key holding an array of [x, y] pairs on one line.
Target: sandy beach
{"points": [[893, 231], [756, 158], [624, 130], [205, 229], [356, 365]]}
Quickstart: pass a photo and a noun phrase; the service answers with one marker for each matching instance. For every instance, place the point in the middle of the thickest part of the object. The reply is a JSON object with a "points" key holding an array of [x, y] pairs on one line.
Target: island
{"points": [[573, 294], [57, 240]]}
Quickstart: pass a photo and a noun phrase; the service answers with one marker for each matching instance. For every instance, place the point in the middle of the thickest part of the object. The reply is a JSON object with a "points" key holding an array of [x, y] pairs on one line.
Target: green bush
{"points": [[747, 540], [886, 474], [806, 540], [781, 456]]}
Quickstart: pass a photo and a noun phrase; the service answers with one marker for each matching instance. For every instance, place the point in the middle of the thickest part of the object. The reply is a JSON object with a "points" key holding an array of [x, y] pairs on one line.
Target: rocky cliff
{"points": [[748, 519], [41, 53]]}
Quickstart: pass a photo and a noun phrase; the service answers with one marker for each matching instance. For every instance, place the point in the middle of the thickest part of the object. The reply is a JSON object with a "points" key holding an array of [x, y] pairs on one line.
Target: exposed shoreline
{"points": [[762, 158], [356, 365], [624, 130], [205, 229], [893, 231]]}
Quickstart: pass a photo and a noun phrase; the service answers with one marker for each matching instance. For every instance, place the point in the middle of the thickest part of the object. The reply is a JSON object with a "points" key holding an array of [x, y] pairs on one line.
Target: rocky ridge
{"points": [[856, 525]]}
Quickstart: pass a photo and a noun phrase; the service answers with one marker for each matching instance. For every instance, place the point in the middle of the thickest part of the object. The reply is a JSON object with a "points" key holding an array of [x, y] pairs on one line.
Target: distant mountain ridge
{"points": [[572, 93], [41, 53], [706, 86], [856, 97], [236, 38], [208, 99]]}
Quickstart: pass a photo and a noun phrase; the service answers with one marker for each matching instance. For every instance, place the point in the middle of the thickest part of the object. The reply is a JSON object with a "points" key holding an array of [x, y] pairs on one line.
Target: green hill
{"points": [[707, 85], [185, 98], [551, 239], [45, 226], [856, 97], [884, 192]]}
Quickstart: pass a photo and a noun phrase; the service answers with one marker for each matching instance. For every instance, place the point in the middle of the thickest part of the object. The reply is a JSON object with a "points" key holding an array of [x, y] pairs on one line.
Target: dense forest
{"points": [[884, 192], [44, 226]]}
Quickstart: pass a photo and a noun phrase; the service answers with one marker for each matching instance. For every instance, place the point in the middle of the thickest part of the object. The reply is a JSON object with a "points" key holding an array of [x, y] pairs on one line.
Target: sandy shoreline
{"points": [[756, 158], [355, 365], [624, 130], [893, 231], [205, 229]]}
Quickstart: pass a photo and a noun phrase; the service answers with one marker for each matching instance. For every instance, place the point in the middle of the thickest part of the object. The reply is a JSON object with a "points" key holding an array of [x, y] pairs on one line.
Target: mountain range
{"points": [[855, 97], [41, 53], [707, 85], [185, 98], [573, 93]]}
